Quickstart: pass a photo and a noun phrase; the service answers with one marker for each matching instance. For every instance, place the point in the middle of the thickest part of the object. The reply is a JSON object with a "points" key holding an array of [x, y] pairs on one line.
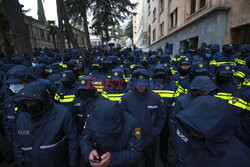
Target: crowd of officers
{"points": [[116, 107]]}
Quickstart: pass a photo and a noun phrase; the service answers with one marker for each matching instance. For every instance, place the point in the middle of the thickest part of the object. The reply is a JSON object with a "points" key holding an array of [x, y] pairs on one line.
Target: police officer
{"points": [[178, 57], [66, 92], [242, 76], [76, 67], [227, 56], [162, 84], [45, 133], [148, 109], [204, 136], [54, 75], [97, 75], [224, 79], [242, 55], [111, 137], [84, 103], [16, 81], [115, 86], [185, 68], [197, 69], [200, 86]]}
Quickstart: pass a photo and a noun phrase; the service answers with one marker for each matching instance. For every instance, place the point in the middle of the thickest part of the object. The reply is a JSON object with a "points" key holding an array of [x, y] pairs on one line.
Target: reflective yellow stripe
{"points": [[240, 74], [174, 72], [115, 98], [69, 96], [213, 62], [132, 66], [104, 94], [99, 90], [181, 89], [63, 65], [56, 97], [232, 63], [232, 100], [81, 76], [242, 62], [224, 97], [166, 93], [108, 76], [177, 59], [248, 107], [66, 100], [239, 86], [99, 87], [112, 97], [16, 108], [246, 82], [238, 102], [224, 94]]}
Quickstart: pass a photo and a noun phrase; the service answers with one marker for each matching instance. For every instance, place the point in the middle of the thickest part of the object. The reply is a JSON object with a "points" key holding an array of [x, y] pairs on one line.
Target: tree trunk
{"points": [[18, 28], [85, 24], [106, 29], [54, 41], [68, 26], [60, 25]]}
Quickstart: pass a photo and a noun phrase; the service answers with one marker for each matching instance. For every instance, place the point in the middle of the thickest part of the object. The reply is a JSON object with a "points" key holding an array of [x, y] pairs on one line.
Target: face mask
{"points": [[184, 72], [34, 64], [15, 88], [221, 79], [86, 93], [67, 84], [35, 110]]}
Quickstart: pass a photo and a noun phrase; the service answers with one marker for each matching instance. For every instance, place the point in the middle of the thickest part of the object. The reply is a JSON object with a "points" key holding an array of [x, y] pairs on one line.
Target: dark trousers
{"points": [[149, 154]]}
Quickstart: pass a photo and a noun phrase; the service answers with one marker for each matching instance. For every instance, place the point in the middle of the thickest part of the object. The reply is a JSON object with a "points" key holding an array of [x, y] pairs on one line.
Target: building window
{"points": [[202, 3], [154, 34], [161, 5], [162, 29], [193, 6], [174, 18], [42, 35], [154, 15], [48, 36], [149, 9]]}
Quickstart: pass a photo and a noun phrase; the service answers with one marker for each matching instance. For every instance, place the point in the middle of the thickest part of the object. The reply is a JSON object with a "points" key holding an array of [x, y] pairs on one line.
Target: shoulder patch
{"points": [[138, 133]]}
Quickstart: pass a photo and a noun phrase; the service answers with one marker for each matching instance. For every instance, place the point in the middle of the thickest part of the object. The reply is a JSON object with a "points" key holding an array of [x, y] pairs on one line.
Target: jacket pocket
{"points": [[54, 155]]}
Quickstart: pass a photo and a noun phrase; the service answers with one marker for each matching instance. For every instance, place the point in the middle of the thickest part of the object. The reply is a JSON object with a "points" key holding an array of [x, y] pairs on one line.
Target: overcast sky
{"points": [[50, 10]]}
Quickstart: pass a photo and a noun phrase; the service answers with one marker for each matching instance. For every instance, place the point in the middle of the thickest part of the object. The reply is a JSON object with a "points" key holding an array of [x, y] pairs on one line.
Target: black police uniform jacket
{"points": [[49, 142], [148, 109]]}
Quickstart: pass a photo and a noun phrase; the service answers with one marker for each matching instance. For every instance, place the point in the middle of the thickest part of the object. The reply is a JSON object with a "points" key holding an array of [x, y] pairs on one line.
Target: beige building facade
{"points": [[40, 37], [140, 23], [185, 22]]}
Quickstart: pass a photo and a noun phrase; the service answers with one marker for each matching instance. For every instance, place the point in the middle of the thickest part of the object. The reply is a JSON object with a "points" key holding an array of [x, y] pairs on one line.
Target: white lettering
{"points": [[152, 107], [184, 138], [23, 132]]}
